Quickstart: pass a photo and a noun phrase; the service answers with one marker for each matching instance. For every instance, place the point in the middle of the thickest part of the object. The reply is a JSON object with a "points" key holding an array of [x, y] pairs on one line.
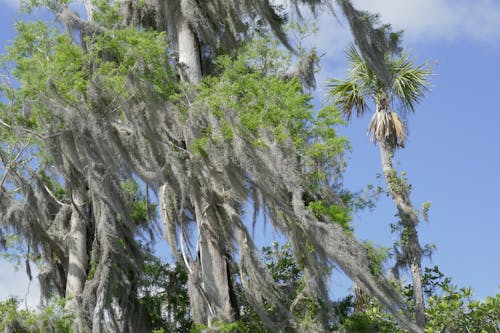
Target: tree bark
{"points": [[210, 286], [189, 64], [412, 250], [78, 259], [89, 8]]}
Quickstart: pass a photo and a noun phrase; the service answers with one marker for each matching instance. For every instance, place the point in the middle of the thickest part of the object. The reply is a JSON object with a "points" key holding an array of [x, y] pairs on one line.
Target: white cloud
{"points": [[15, 283], [423, 21], [434, 20]]}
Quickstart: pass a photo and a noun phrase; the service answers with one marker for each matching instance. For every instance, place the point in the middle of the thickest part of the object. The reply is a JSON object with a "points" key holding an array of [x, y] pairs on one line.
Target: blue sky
{"points": [[451, 158]]}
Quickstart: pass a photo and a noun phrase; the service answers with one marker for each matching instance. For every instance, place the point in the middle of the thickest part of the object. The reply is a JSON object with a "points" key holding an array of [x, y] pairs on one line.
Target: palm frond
{"points": [[409, 82], [353, 56], [348, 97], [387, 127], [398, 129], [359, 71]]}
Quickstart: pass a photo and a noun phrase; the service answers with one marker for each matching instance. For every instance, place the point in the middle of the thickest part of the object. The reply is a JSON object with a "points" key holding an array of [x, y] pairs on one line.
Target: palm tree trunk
{"points": [[412, 251]]}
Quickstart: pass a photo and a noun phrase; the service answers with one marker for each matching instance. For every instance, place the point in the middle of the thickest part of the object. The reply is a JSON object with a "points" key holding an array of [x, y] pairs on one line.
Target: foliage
{"points": [[289, 275], [107, 62], [142, 210], [280, 262], [47, 61], [426, 206], [282, 109], [335, 213], [41, 54], [51, 318], [253, 85], [117, 53], [449, 309], [282, 265], [165, 296], [376, 255], [453, 309], [265, 103], [106, 75]]}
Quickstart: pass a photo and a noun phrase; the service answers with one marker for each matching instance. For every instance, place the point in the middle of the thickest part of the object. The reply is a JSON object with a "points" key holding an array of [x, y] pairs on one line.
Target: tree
{"points": [[204, 149], [54, 318], [217, 24], [449, 309], [407, 85], [197, 28], [98, 267]]}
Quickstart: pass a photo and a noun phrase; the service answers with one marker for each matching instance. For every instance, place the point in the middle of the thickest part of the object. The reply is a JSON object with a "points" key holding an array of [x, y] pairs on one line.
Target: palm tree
{"points": [[408, 84]]}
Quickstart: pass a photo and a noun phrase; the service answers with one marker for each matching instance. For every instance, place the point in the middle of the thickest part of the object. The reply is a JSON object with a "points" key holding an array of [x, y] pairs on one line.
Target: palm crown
{"points": [[408, 84]]}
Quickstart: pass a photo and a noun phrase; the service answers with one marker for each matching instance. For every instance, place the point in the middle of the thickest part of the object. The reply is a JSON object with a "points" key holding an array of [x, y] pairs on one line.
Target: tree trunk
{"points": [[189, 64], [78, 259], [216, 272], [211, 292], [89, 8], [412, 251], [210, 286]]}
